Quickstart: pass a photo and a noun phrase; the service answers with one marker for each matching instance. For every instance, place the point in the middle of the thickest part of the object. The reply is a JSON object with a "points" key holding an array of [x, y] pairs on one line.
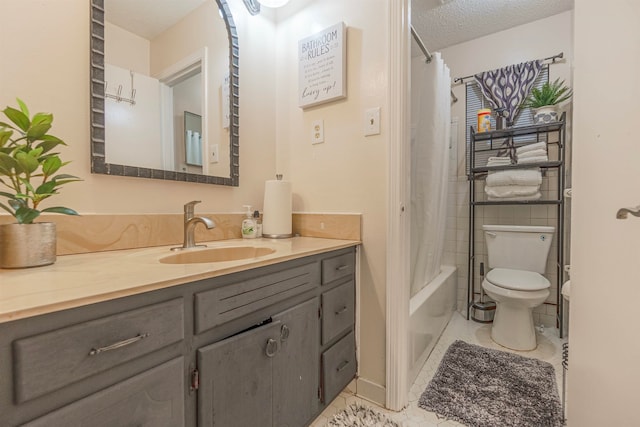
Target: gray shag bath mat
{"points": [[478, 386], [356, 415]]}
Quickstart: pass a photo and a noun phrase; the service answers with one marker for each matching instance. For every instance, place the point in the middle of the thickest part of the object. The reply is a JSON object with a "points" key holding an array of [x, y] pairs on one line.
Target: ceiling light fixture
{"points": [[273, 3]]}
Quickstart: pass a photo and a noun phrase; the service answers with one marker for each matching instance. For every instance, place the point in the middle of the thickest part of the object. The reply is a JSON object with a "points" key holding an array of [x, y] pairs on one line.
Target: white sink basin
{"points": [[235, 253]]}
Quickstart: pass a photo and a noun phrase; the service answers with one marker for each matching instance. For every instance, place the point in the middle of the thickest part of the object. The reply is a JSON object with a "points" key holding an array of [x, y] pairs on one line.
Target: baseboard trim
{"points": [[369, 390]]}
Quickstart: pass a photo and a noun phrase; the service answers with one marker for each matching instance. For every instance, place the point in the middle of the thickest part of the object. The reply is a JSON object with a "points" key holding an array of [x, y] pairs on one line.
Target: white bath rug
{"points": [[356, 415]]}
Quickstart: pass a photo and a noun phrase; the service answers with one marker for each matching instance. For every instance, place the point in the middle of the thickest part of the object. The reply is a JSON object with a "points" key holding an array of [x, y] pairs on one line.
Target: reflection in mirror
{"points": [[161, 63], [193, 139]]}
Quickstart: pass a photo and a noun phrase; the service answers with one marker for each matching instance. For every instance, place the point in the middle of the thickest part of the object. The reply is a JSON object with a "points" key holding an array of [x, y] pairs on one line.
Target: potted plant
{"points": [[29, 168], [544, 101]]}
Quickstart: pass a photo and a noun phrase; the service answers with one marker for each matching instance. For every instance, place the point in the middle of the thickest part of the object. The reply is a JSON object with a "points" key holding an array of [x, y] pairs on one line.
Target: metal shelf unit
{"points": [[488, 143]]}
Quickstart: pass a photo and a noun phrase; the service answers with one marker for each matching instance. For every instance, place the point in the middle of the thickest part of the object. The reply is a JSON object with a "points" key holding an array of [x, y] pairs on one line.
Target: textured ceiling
{"points": [[148, 18], [444, 23]]}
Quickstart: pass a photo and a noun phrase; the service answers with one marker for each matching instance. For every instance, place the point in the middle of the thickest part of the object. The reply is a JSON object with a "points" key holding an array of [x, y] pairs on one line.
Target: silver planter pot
{"points": [[27, 245]]}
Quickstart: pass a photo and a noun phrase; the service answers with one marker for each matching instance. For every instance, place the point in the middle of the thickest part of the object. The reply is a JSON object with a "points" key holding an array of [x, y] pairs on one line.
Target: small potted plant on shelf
{"points": [[544, 101], [29, 168]]}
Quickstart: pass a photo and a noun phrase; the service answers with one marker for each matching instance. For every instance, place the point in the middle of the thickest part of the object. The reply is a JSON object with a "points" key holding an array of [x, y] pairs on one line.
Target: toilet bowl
{"points": [[516, 293], [517, 258]]}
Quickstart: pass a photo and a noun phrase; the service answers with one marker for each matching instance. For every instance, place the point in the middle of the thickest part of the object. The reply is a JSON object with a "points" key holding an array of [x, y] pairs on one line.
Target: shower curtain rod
{"points": [[421, 45], [551, 58], [427, 54]]}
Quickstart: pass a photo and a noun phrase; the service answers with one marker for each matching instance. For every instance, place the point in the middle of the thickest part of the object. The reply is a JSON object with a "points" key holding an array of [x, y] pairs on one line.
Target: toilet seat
{"points": [[517, 280]]}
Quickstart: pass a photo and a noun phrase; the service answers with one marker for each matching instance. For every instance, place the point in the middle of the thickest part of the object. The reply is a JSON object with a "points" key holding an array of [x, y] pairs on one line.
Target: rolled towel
{"points": [[537, 159], [499, 159], [503, 191], [534, 153], [531, 147], [495, 163], [514, 177], [536, 196]]}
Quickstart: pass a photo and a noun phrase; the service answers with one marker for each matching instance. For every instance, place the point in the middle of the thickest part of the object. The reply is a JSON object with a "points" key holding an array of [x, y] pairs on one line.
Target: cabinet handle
{"points": [[119, 344], [284, 332], [342, 267], [342, 365], [272, 347], [342, 310]]}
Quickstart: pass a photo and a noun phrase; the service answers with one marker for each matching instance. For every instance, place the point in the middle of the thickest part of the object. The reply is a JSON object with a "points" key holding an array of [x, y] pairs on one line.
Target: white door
{"points": [[604, 332]]}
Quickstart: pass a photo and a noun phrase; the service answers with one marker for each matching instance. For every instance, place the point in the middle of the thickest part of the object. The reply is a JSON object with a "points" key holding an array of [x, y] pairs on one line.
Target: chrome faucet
{"points": [[190, 222]]}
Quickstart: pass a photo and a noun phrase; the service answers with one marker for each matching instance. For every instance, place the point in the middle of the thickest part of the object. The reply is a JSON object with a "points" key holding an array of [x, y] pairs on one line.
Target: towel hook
{"points": [[623, 213]]}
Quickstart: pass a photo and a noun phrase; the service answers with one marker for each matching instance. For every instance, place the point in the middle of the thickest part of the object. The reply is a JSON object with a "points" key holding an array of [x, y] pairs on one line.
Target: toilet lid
{"points": [[517, 280]]}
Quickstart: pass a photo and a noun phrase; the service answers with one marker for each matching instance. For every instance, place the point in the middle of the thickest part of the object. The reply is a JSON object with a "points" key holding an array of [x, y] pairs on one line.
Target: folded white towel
{"points": [[534, 153], [537, 159], [531, 147], [502, 191], [536, 196], [499, 159], [514, 177], [500, 163]]}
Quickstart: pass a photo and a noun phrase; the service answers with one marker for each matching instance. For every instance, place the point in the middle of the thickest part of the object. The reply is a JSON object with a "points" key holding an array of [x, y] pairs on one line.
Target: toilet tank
{"points": [[520, 247]]}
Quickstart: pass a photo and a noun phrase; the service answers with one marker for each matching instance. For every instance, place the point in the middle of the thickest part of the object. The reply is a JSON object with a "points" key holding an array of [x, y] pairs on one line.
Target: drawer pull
{"points": [[342, 310], [342, 267], [120, 344], [343, 365], [272, 347], [284, 332]]}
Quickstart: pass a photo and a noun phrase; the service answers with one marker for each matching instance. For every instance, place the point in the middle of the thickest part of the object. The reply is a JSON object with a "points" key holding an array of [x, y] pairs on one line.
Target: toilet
{"points": [[517, 259]]}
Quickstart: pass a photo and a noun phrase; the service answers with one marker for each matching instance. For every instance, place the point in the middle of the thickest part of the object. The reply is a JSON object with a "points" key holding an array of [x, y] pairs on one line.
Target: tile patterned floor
{"points": [[549, 349]]}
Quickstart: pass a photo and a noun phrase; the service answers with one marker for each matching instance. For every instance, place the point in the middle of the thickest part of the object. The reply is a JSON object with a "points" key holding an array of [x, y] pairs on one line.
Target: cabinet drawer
{"points": [[221, 305], [153, 398], [338, 267], [338, 306], [338, 366], [47, 362]]}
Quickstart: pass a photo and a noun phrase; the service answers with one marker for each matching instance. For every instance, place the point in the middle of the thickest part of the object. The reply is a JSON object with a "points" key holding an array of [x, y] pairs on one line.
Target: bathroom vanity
{"points": [[267, 345]]}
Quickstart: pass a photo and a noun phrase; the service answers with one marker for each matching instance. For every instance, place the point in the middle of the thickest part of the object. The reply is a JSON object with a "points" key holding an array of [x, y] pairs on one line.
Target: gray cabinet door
{"points": [[154, 398], [236, 379], [296, 367]]}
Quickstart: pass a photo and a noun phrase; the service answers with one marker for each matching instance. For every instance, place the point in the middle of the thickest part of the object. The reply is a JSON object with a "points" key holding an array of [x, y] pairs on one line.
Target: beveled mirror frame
{"points": [[99, 164]]}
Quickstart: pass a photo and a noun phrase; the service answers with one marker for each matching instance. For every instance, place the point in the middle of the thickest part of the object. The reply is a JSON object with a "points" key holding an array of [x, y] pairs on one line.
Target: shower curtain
{"points": [[430, 123]]}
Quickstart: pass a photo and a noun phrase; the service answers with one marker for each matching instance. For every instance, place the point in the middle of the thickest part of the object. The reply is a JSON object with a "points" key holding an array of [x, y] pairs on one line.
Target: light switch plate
{"points": [[372, 121], [317, 132], [213, 158]]}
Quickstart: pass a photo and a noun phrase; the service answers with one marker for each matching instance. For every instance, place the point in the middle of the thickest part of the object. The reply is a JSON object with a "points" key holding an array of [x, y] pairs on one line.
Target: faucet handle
{"points": [[189, 207]]}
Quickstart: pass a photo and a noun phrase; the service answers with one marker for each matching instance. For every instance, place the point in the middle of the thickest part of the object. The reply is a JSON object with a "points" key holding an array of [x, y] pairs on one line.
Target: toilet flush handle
{"points": [[489, 233]]}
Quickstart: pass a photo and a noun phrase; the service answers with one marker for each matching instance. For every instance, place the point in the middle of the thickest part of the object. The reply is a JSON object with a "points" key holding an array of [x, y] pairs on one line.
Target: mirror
{"points": [[164, 90]]}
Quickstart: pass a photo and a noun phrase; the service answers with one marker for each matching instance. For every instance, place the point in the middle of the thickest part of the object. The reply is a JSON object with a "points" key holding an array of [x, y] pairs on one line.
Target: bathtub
{"points": [[429, 312]]}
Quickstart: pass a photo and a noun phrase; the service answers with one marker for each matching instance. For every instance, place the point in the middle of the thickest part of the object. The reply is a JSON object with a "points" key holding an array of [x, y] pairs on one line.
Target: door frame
{"points": [[398, 266]]}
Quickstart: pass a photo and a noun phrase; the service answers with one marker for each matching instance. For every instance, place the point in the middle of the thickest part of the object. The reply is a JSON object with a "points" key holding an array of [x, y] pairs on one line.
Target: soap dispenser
{"points": [[248, 224]]}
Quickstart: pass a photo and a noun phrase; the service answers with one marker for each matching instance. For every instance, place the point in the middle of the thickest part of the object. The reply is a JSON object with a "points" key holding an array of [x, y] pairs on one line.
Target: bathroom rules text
{"points": [[321, 66]]}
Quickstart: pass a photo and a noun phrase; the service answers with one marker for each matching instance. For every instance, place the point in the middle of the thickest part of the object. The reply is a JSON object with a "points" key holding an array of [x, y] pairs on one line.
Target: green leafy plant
{"points": [[28, 166], [549, 94]]}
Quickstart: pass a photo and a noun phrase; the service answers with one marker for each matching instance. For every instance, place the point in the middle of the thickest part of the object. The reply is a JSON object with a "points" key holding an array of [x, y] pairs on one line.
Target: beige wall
{"points": [[538, 39], [348, 172], [127, 50], [62, 51]]}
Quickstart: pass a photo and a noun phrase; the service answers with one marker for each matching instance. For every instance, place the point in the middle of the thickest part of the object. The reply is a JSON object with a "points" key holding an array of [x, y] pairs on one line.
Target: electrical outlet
{"points": [[213, 158], [317, 132], [372, 121]]}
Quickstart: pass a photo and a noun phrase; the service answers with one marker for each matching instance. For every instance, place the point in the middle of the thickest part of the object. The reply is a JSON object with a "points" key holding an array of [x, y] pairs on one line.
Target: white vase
{"points": [[546, 114], [27, 245]]}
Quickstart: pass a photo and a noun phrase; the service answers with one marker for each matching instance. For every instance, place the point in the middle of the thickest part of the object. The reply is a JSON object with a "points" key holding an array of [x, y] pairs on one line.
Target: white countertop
{"points": [[76, 280]]}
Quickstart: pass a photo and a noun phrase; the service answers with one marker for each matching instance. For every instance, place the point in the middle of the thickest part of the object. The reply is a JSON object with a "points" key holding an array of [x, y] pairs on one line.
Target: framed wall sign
{"points": [[322, 61]]}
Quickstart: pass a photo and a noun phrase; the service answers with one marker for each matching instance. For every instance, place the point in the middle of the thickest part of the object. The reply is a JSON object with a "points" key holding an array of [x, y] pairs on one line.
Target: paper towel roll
{"points": [[276, 222]]}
